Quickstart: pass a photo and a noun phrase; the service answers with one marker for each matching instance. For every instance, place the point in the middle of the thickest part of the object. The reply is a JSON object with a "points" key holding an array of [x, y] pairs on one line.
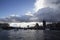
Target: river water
{"points": [[29, 34]]}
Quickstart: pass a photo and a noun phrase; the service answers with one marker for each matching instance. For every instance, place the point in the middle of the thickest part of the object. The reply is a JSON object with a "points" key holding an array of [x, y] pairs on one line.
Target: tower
{"points": [[44, 24]]}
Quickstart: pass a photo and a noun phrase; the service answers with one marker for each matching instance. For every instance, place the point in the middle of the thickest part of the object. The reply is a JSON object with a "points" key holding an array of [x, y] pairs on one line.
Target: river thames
{"points": [[29, 34]]}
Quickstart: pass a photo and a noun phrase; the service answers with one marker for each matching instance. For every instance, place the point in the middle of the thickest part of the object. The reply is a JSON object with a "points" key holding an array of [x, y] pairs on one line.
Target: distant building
{"points": [[54, 26], [44, 24]]}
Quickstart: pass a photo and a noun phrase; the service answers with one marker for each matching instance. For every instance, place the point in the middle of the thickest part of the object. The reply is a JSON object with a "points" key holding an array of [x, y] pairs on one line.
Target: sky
{"points": [[15, 7], [30, 10]]}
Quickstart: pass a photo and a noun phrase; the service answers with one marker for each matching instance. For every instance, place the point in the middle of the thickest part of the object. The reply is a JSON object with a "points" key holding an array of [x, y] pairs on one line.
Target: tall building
{"points": [[44, 24]]}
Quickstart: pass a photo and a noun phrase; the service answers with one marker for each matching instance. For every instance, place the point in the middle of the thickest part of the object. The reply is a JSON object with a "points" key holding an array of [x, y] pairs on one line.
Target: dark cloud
{"points": [[51, 12], [57, 2], [24, 18], [52, 1]]}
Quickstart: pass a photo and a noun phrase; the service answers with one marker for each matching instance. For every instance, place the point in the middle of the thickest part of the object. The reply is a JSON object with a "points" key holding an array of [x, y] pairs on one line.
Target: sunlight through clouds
{"points": [[29, 13], [39, 4], [25, 24], [14, 15]]}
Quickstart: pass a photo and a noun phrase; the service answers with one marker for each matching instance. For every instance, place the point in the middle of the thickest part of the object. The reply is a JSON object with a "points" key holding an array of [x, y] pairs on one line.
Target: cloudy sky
{"points": [[15, 7], [33, 10]]}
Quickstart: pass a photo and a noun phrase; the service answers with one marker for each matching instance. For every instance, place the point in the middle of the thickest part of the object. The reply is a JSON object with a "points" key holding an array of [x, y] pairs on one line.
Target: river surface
{"points": [[29, 34]]}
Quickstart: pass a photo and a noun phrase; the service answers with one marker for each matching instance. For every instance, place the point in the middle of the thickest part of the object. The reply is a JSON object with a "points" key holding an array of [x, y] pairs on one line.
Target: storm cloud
{"points": [[50, 10]]}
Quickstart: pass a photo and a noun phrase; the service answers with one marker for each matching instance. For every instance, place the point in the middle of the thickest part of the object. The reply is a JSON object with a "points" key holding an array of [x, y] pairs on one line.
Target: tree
{"points": [[37, 25]]}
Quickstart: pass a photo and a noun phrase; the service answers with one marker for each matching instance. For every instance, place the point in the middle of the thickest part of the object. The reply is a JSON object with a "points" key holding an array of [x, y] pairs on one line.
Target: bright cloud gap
{"points": [[24, 24]]}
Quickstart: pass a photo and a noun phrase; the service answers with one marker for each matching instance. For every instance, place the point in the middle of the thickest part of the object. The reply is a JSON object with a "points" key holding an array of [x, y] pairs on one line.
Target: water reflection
{"points": [[39, 35], [29, 35], [51, 35], [4, 35]]}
